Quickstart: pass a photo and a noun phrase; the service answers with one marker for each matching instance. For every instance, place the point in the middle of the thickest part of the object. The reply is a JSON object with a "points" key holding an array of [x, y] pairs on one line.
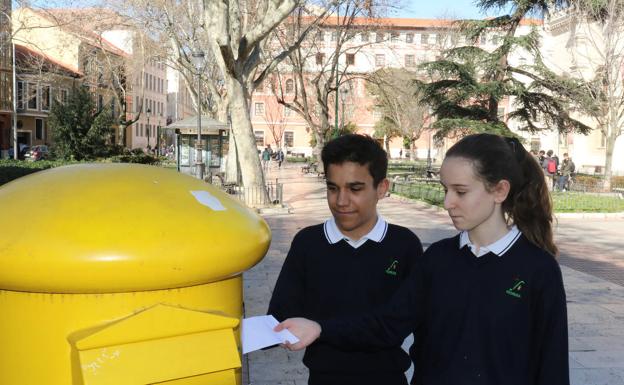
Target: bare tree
{"points": [[237, 33], [597, 53], [396, 97], [319, 72], [275, 119]]}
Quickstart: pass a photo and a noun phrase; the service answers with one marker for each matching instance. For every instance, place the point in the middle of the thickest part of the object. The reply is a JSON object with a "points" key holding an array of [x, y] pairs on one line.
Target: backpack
{"points": [[551, 166]]}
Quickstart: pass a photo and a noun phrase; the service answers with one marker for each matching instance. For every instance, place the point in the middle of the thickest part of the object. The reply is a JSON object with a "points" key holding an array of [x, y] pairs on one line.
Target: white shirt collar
{"points": [[499, 247], [377, 233]]}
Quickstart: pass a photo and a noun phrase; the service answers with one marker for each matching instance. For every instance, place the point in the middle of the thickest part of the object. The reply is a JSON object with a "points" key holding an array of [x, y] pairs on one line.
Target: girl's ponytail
{"points": [[530, 206]]}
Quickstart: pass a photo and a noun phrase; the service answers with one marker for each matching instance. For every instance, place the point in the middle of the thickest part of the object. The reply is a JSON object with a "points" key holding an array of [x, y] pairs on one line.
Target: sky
{"points": [[424, 9], [437, 9]]}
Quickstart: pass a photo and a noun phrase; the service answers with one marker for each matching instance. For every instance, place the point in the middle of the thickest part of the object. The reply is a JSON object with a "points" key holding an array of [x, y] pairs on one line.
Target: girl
{"points": [[488, 305]]}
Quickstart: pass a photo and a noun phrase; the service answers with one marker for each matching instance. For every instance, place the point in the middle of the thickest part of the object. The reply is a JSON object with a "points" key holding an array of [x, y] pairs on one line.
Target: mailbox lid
{"points": [[101, 228]]}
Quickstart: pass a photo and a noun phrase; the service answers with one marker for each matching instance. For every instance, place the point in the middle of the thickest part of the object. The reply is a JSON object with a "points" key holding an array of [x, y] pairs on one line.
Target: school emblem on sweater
{"points": [[515, 290], [392, 269]]}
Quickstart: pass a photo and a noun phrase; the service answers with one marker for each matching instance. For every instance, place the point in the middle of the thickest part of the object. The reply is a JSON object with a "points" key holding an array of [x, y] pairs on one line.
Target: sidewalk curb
{"points": [[589, 215], [283, 209]]}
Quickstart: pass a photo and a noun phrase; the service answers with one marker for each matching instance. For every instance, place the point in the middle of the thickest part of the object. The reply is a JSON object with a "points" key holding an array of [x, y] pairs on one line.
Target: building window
{"points": [[603, 140], [440, 39], [394, 37], [409, 37], [100, 102], [424, 38], [364, 37], [46, 100], [20, 95], [494, 39], [320, 58], [136, 130], [350, 59], [320, 36], [32, 96], [259, 138], [334, 36], [141, 130], [289, 138], [483, 39], [380, 60], [259, 109], [379, 37], [287, 111], [410, 61], [63, 95], [290, 86], [39, 129]]}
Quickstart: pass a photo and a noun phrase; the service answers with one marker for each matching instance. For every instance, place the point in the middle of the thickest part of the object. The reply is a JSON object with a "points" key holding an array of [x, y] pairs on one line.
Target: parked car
{"points": [[38, 152], [23, 149]]}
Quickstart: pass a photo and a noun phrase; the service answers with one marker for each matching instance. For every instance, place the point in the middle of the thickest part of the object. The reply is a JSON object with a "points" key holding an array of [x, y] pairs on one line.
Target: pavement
{"points": [[591, 259]]}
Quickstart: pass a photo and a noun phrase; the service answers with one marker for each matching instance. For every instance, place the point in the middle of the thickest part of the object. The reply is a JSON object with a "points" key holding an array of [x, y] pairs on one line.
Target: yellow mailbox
{"points": [[122, 274]]}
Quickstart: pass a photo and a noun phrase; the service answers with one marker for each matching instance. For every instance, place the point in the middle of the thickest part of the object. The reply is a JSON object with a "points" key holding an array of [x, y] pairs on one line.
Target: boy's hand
{"points": [[306, 330]]}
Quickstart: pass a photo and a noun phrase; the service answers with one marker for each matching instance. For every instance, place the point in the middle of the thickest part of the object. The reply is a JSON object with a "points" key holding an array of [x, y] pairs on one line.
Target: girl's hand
{"points": [[306, 330]]}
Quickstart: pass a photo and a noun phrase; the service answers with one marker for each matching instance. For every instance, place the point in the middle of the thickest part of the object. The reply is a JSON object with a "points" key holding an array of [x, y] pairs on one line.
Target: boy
{"points": [[350, 264]]}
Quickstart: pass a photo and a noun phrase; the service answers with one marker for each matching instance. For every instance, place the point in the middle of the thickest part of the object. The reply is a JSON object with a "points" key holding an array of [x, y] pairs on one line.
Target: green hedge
{"points": [[562, 201], [12, 169]]}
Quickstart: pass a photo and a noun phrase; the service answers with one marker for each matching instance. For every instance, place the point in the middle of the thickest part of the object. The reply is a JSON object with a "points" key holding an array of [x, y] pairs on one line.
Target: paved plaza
{"points": [[592, 261]]}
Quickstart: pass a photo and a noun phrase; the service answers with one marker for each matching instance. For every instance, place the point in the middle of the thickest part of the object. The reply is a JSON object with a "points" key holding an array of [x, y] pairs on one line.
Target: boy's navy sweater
{"points": [[492, 320], [323, 280]]}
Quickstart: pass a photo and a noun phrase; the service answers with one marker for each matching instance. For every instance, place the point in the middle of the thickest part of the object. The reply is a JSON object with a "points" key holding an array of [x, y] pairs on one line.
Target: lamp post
{"points": [[158, 141], [148, 112], [198, 61], [343, 98]]}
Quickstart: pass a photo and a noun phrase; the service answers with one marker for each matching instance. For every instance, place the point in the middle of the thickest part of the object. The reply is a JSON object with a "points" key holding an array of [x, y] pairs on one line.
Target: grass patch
{"points": [[577, 202], [563, 202]]}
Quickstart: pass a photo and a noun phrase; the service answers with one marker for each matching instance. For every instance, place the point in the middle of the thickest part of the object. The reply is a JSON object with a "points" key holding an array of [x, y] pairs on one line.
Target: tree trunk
{"points": [[251, 169], [608, 167], [318, 148], [231, 163], [386, 140]]}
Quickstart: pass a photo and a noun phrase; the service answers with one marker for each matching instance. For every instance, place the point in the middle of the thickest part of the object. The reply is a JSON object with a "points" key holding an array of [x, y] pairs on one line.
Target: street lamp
{"points": [[147, 113], [197, 58], [343, 97]]}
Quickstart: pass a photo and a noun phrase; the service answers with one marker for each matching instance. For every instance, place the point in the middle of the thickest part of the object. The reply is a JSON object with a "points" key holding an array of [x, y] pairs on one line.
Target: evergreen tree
{"points": [[79, 131], [465, 87]]}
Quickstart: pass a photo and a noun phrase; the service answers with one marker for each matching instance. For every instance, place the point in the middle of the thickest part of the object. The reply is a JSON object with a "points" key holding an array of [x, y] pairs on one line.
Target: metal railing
{"points": [[255, 196]]}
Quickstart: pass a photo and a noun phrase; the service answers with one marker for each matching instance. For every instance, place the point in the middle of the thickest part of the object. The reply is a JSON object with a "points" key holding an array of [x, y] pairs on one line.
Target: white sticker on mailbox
{"points": [[206, 199]]}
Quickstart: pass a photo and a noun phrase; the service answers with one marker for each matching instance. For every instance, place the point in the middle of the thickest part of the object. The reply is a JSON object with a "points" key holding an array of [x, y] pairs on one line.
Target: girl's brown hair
{"points": [[528, 204]]}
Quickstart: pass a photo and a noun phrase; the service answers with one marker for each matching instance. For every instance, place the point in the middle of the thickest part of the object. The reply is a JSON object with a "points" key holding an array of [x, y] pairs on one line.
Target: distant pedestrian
{"points": [[549, 165], [279, 157], [566, 171], [266, 158]]}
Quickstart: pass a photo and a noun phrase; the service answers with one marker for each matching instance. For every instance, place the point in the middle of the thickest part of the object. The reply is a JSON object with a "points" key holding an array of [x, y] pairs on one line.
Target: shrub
{"points": [[12, 169], [617, 182]]}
